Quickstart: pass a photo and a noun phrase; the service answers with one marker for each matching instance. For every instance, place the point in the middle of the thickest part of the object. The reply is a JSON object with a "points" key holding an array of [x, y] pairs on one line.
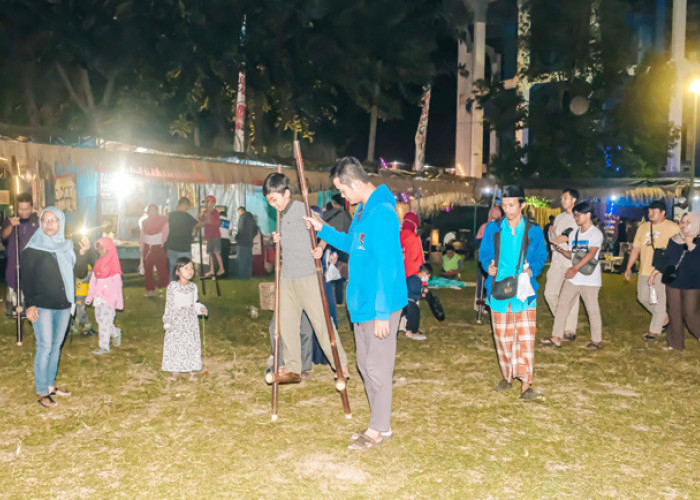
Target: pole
{"points": [[340, 384], [276, 346], [201, 251], [691, 189], [482, 300], [18, 293]]}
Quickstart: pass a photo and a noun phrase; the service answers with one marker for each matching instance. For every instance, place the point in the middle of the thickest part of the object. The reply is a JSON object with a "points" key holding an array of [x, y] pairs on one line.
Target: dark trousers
{"points": [[412, 313], [245, 262], [683, 310]]}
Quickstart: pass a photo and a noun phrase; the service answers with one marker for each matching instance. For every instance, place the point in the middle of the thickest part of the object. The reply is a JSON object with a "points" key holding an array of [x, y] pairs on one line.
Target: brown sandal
{"points": [[57, 391], [47, 401]]}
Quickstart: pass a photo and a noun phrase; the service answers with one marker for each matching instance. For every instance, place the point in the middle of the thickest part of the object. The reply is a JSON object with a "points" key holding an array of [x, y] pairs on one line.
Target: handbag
{"points": [[658, 257], [578, 255], [435, 306], [507, 288], [670, 274]]}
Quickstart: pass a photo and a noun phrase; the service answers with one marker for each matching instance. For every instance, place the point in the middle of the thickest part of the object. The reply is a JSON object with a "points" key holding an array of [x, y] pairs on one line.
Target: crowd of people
{"points": [[380, 261]]}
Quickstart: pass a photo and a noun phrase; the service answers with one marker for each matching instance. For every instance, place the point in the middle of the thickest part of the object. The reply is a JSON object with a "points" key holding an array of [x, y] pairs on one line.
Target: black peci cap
{"points": [[512, 191]]}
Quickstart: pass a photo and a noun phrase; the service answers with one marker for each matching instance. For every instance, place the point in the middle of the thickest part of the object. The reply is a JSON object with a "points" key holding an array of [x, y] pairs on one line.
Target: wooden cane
{"points": [[341, 383], [276, 337], [18, 304]]}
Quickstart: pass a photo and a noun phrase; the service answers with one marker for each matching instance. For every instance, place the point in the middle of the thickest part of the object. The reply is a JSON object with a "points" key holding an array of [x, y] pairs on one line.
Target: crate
{"points": [[267, 295]]}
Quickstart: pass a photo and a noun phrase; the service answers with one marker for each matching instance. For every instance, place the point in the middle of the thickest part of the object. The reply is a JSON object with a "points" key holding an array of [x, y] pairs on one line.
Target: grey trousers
{"points": [[307, 347], [658, 311], [570, 294], [375, 362], [303, 295], [552, 290], [244, 261]]}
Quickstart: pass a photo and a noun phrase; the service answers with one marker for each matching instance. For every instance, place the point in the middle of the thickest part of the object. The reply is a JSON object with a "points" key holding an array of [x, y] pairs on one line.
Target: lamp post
{"points": [[695, 89]]}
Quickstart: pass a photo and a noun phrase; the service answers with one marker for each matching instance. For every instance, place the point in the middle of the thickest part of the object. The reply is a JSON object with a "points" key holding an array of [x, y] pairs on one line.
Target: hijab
{"points": [[60, 248], [694, 228], [410, 222], [109, 264]]}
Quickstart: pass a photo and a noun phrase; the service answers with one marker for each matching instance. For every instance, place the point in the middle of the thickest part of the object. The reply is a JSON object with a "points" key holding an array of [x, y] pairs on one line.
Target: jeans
{"points": [[173, 255], [50, 331]]}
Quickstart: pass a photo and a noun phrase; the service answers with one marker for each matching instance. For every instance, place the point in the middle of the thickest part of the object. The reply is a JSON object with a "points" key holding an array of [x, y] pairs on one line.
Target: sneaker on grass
{"points": [[503, 386], [531, 396]]}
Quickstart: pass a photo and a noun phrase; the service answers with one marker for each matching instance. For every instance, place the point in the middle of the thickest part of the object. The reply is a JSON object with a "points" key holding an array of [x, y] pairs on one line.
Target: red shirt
{"points": [[211, 228], [412, 252]]}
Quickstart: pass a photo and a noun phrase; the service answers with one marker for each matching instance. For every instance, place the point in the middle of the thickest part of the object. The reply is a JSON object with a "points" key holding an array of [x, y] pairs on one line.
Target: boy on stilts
{"points": [[299, 289]]}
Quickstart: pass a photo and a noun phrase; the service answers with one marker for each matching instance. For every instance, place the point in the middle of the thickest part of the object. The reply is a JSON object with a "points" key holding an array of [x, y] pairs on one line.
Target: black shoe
{"points": [[531, 396], [503, 386]]}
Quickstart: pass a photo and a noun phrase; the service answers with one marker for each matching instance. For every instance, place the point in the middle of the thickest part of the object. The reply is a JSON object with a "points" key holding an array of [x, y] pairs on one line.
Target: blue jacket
{"points": [[536, 255], [377, 282]]}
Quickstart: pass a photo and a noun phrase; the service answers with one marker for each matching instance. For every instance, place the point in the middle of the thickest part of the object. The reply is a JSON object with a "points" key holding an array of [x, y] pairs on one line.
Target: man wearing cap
{"points": [[510, 247], [652, 235]]}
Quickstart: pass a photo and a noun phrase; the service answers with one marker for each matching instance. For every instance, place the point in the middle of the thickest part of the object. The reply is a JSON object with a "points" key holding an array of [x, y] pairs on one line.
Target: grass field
{"points": [[617, 423]]}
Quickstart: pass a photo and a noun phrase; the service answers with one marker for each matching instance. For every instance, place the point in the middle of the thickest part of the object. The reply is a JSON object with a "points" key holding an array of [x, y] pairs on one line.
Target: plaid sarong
{"points": [[514, 335]]}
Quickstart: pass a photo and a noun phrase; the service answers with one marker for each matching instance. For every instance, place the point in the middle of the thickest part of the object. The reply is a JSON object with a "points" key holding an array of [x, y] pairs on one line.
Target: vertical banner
{"points": [[66, 192], [239, 138], [422, 132]]}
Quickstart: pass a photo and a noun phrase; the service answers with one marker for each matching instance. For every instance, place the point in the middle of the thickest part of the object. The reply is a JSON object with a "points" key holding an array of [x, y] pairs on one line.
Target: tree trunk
{"points": [[30, 97], [372, 133]]}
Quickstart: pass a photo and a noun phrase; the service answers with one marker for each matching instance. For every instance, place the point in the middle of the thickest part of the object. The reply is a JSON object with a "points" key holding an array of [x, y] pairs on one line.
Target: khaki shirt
{"points": [[662, 233]]}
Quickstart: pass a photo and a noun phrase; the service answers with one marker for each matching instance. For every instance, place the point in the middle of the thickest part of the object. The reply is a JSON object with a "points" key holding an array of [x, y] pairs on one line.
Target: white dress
{"points": [[182, 349]]}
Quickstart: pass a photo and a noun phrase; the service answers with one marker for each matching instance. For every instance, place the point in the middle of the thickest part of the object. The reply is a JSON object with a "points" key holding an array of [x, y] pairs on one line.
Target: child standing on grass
{"points": [[105, 290], [417, 286], [182, 350], [81, 322]]}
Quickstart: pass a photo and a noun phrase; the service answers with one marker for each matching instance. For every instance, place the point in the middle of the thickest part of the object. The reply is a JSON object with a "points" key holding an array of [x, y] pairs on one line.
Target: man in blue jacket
{"points": [[510, 247], [376, 292]]}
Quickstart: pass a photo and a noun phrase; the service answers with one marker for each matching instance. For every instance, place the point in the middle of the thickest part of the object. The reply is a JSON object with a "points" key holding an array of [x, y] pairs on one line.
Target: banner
{"points": [[239, 139], [66, 190], [422, 132]]}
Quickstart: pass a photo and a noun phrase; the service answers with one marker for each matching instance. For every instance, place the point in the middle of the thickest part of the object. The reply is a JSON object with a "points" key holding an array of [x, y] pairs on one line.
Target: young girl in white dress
{"points": [[182, 350]]}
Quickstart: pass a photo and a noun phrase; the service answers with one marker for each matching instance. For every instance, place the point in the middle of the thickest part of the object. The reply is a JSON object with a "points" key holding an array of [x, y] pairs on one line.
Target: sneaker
{"points": [[416, 336], [503, 386], [149, 293], [99, 352], [649, 337], [531, 396], [92, 333], [117, 341]]}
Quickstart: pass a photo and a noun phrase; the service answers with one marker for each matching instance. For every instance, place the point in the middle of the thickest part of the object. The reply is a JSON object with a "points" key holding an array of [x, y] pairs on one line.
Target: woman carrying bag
{"points": [[680, 272]]}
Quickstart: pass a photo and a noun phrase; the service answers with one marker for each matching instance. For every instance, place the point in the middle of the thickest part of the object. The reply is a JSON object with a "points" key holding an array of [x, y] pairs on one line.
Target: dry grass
{"points": [[621, 422]]}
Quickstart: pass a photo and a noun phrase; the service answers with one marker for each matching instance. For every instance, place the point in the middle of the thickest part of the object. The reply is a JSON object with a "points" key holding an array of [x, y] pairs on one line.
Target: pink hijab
{"points": [[108, 265]]}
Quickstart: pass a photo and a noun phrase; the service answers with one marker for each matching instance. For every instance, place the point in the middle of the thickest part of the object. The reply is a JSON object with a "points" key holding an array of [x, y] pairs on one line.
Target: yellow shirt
{"points": [[662, 233]]}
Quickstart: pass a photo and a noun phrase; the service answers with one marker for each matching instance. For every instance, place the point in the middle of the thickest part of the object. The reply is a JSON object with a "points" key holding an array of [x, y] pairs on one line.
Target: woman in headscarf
{"points": [[48, 281], [680, 271]]}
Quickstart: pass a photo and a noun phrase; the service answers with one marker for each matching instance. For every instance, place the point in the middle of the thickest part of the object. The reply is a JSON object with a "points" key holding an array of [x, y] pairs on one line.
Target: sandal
{"points": [[47, 401], [364, 442], [356, 435], [650, 337], [57, 391], [569, 337], [550, 343], [592, 346]]}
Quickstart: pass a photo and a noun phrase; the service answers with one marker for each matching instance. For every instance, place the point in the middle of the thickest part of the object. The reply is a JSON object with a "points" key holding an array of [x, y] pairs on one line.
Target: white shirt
{"points": [[591, 238], [562, 222]]}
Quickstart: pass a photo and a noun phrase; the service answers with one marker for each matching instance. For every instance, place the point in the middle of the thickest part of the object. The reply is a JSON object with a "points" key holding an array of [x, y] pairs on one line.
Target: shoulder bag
{"points": [[658, 257], [670, 273], [507, 288], [578, 254]]}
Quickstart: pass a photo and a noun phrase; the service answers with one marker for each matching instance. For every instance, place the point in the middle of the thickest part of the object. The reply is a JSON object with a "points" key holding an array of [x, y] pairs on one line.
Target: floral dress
{"points": [[182, 350]]}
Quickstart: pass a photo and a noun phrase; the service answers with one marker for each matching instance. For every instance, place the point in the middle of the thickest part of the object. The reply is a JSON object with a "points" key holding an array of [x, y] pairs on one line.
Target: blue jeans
{"points": [[173, 255], [50, 331]]}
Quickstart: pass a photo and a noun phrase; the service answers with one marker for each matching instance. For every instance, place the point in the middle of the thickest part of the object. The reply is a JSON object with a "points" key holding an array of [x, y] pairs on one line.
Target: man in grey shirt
{"points": [[298, 287]]}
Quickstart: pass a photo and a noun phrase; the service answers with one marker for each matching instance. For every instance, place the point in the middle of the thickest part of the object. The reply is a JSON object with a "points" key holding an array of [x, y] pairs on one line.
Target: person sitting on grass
{"points": [[182, 349], [106, 293], [298, 286], [580, 281], [417, 286], [451, 263], [211, 220]]}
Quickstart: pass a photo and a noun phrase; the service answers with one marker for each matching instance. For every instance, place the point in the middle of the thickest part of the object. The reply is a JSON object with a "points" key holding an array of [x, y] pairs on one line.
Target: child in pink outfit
{"points": [[106, 292]]}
